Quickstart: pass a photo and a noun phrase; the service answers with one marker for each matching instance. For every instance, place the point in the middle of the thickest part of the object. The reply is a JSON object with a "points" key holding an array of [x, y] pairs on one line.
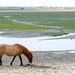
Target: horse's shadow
{"points": [[37, 66], [29, 65]]}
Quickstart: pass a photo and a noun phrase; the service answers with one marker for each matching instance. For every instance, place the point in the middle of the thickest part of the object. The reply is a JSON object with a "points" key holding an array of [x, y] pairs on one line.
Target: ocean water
{"points": [[41, 43]]}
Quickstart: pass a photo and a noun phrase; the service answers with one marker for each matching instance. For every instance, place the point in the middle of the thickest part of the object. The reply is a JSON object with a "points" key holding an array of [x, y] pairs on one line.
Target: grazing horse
{"points": [[15, 50]]}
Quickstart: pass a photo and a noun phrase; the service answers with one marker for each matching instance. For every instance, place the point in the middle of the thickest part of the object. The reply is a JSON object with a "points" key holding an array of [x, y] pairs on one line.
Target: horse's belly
{"points": [[11, 51]]}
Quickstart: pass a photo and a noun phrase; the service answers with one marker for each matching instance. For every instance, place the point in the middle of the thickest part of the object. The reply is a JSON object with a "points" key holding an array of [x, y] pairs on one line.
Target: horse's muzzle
{"points": [[30, 61]]}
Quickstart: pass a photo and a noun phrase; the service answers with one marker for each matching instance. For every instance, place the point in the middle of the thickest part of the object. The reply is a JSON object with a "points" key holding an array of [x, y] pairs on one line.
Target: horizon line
{"points": [[40, 6]]}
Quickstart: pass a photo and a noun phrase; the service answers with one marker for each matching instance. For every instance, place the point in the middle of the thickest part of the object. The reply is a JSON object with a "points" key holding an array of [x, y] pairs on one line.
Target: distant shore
{"points": [[37, 9]]}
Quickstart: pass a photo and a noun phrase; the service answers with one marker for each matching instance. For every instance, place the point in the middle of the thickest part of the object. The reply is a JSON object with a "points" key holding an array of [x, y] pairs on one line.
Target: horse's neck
{"points": [[26, 51]]}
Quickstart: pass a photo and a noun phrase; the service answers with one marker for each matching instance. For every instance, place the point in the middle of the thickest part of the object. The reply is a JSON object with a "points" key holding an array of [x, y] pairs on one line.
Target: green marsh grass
{"points": [[14, 25], [5, 34], [53, 34], [66, 20]]}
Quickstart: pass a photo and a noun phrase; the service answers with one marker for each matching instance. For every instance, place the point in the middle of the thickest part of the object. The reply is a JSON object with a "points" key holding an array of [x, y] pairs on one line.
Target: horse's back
{"points": [[12, 50]]}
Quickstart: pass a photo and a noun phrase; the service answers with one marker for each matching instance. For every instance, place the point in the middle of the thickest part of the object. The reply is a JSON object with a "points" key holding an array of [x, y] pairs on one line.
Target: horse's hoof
{"points": [[0, 64], [21, 65], [11, 64], [28, 64]]}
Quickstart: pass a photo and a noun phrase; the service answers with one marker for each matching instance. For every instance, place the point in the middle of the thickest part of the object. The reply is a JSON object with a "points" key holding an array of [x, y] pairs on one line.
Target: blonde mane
{"points": [[22, 48]]}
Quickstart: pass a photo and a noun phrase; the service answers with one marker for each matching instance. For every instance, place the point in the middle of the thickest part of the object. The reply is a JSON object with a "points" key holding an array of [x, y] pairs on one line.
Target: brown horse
{"points": [[15, 50]]}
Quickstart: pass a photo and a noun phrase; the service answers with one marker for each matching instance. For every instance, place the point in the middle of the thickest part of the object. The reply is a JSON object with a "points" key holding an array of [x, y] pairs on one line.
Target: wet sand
{"points": [[44, 63], [19, 33]]}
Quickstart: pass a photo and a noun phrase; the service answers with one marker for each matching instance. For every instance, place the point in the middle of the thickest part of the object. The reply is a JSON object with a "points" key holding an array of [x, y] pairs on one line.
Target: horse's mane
{"points": [[24, 49]]}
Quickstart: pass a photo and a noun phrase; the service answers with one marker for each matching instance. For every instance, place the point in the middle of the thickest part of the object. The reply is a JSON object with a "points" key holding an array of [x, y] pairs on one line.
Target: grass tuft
{"points": [[54, 34]]}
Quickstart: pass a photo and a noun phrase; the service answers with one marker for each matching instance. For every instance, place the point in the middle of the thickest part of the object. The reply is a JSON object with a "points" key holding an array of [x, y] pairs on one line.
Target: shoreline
{"points": [[21, 33]]}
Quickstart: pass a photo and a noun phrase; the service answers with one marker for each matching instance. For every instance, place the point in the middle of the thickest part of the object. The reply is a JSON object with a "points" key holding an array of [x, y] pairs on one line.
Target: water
{"points": [[38, 44]]}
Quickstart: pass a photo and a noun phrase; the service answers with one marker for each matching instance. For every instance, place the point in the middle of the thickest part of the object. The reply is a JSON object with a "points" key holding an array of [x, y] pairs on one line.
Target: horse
{"points": [[15, 50]]}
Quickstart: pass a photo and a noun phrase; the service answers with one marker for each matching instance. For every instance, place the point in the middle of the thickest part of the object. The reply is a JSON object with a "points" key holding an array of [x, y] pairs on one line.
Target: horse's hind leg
{"points": [[13, 60], [0, 62]]}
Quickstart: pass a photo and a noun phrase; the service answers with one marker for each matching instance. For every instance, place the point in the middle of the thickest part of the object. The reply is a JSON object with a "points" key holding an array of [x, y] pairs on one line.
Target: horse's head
{"points": [[30, 57]]}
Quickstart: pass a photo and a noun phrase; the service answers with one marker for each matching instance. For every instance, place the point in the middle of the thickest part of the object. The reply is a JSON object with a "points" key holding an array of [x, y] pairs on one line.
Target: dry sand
{"points": [[44, 63]]}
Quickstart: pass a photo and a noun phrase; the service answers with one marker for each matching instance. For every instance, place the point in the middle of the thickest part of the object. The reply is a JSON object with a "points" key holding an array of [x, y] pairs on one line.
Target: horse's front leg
{"points": [[0, 62], [21, 60], [13, 60]]}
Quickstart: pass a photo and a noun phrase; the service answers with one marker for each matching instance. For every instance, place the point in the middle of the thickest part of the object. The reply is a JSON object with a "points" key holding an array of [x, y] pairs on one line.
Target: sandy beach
{"points": [[44, 63]]}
